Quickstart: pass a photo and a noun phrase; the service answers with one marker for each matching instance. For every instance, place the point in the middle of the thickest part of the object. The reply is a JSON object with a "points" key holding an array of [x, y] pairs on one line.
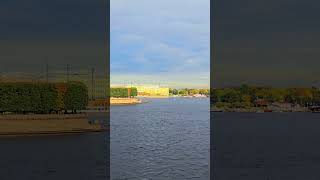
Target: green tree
{"points": [[193, 91], [204, 91], [315, 96], [183, 92], [246, 100], [244, 89], [120, 92], [133, 92], [76, 97], [174, 91], [231, 96]]}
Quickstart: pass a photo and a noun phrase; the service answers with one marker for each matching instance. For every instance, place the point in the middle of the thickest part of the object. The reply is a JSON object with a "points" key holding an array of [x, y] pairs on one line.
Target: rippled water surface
{"points": [[161, 139], [266, 146]]}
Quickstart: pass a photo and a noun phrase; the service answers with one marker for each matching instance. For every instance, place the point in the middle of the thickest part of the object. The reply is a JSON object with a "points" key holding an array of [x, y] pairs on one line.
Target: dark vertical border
{"points": [[54, 157], [265, 35], [211, 86], [108, 78]]}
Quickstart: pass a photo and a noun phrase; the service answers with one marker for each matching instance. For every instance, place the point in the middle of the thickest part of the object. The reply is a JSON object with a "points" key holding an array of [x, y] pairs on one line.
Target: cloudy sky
{"points": [[164, 42], [34, 33], [266, 42]]}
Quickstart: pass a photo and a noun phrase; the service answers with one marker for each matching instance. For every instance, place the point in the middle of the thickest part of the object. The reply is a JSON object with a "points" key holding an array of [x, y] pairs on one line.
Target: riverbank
{"points": [[154, 97], [124, 101], [164, 97], [36, 124], [258, 109]]}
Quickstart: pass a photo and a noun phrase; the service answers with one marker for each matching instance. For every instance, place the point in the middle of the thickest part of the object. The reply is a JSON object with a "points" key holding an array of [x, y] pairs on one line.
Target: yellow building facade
{"points": [[152, 91]]}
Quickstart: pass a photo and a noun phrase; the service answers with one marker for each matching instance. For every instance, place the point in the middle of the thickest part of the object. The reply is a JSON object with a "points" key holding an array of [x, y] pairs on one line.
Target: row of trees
{"points": [[188, 91], [123, 92], [42, 98], [250, 94]]}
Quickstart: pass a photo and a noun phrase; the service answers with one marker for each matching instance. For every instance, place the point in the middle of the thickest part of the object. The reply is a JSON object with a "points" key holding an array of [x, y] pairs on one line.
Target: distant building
{"points": [[151, 90], [261, 103]]}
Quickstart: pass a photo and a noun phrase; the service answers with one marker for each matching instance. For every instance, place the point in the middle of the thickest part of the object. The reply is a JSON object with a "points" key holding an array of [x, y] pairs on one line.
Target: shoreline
{"points": [[47, 124], [154, 97], [259, 110], [124, 101], [167, 97]]}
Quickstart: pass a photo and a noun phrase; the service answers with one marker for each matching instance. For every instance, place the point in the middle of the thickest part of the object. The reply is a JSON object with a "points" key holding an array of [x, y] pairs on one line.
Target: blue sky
{"points": [[160, 41]]}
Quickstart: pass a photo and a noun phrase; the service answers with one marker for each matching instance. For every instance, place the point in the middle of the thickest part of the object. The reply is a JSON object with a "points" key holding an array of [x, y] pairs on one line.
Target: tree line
{"points": [[249, 95], [43, 98], [123, 92], [188, 91]]}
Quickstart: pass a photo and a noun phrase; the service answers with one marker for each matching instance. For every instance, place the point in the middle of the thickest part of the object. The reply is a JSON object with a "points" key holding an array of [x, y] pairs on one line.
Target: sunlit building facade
{"points": [[151, 90]]}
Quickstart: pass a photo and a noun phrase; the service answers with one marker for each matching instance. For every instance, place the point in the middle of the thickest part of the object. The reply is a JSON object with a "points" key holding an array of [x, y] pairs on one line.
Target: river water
{"points": [[61, 157], [265, 146], [162, 139], [169, 139]]}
